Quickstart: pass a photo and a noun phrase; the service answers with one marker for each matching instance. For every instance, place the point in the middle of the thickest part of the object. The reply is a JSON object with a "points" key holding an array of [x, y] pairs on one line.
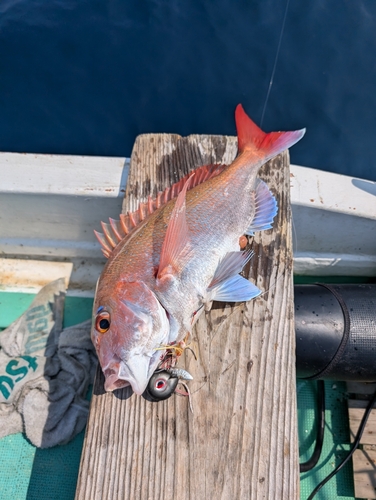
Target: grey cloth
{"points": [[45, 372]]}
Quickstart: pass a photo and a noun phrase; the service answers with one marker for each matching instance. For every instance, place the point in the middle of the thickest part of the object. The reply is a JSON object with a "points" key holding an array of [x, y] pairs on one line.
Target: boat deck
{"points": [[44, 474], [241, 439], [35, 474]]}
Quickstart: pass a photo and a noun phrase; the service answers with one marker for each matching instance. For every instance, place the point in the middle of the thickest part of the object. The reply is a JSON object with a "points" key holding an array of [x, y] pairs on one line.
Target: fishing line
{"points": [[273, 285], [275, 62]]}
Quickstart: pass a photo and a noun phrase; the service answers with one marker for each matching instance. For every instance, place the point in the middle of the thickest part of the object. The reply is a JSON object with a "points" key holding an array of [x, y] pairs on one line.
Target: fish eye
{"points": [[102, 322]]}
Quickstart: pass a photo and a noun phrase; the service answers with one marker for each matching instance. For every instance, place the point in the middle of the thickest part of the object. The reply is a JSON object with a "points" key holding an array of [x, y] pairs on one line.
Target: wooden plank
{"points": [[356, 411], [364, 465], [364, 459], [241, 440], [360, 393], [29, 276]]}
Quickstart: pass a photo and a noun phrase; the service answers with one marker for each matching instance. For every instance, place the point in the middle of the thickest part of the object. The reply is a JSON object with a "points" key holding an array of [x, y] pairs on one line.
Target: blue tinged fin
{"points": [[266, 209], [227, 285], [230, 265], [235, 289]]}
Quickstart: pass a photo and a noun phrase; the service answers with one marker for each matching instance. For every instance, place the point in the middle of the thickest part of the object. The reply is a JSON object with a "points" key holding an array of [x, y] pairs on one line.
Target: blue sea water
{"points": [[87, 76]]}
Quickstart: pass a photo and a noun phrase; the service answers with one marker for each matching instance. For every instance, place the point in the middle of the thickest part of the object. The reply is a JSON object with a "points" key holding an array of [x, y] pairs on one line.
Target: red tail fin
{"points": [[250, 136]]}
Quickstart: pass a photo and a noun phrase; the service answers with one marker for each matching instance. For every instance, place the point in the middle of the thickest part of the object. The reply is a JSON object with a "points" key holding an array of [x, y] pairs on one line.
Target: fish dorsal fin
{"points": [[265, 209], [176, 239], [117, 230], [227, 285]]}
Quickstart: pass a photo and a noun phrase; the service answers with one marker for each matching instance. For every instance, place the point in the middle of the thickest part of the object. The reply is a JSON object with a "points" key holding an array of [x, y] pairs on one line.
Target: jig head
{"points": [[162, 383], [161, 386]]}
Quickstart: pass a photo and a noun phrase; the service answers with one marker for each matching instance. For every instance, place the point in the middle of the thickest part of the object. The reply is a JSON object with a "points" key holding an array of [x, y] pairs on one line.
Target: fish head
{"points": [[129, 326]]}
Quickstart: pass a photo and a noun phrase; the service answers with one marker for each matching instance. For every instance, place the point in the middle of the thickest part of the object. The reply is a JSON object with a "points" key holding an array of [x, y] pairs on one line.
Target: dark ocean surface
{"points": [[87, 76]]}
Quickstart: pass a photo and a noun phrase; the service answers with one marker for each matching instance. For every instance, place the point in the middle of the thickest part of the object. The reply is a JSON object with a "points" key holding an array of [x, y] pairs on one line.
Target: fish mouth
{"points": [[112, 381], [135, 372]]}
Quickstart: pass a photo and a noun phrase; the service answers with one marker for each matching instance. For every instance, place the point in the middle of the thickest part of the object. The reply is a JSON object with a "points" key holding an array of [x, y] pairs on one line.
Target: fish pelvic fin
{"points": [[251, 137], [117, 230], [176, 240], [227, 285], [265, 209]]}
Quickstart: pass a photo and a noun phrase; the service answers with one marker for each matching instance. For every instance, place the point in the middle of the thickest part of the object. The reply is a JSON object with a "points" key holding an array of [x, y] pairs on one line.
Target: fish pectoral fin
{"points": [[265, 209], [176, 240], [234, 289], [227, 285]]}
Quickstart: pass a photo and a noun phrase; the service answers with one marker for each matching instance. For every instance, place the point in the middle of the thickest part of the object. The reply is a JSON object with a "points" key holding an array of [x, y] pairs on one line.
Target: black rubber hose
{"points": [[335, 329], [306, 466]]}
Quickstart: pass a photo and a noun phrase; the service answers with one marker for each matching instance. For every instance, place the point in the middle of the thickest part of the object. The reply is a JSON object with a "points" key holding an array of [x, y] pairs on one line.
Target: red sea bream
{"points": [[178, 253]]}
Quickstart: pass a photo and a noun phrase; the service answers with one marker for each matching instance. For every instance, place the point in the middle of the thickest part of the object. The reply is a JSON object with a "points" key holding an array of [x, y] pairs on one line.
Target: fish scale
{"points": [[212, 237], [181, 257]]}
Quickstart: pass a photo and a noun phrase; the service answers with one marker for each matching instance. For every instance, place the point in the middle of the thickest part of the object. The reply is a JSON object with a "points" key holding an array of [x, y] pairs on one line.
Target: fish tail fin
{"points": [[251, 137]]}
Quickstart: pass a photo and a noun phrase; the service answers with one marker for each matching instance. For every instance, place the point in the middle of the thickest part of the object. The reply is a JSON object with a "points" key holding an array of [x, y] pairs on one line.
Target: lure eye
{"points": [[102, 322], [160, 384]]}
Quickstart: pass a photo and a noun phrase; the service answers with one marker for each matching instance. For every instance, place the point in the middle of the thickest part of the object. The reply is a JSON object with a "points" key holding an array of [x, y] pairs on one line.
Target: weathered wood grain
{"points": [[356, 412], [241, 440], [364, 459], [361, 393], [364, 465]]}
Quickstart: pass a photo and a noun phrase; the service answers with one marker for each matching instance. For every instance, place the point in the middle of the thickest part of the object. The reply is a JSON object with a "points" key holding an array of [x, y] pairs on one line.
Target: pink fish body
{"points": [[180, 257]]}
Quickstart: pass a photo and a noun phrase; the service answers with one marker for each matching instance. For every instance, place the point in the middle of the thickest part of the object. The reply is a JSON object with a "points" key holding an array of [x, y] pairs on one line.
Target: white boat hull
{"points": [[49, 206]]}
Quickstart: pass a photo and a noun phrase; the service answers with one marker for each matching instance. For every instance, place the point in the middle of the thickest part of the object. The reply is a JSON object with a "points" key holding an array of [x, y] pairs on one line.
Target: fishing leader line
{"points": [[295, 238], [275, 62]]}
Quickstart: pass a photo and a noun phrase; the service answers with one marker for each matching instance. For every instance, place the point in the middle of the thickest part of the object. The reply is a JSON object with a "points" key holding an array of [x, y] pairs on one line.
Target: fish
{"points": [[177, 253]]}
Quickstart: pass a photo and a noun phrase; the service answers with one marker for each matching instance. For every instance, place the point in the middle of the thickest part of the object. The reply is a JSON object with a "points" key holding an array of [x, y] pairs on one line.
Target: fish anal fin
{"points": [[265, 209]]}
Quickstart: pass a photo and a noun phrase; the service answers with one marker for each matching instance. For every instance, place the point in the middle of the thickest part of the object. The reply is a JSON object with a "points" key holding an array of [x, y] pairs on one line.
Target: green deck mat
{"points": [[29, 473], [336, 440]]}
